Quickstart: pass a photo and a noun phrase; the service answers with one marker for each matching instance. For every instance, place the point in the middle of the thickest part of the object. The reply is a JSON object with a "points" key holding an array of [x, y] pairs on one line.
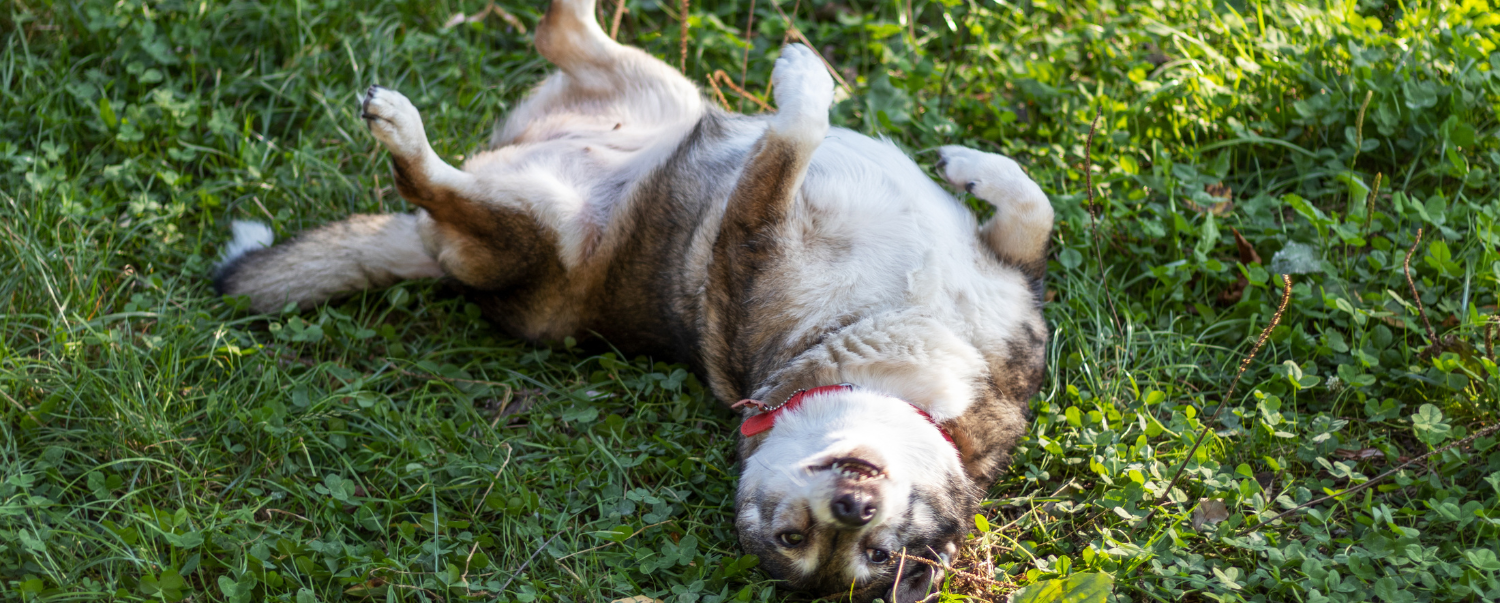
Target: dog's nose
{"points": [[854, 508]]}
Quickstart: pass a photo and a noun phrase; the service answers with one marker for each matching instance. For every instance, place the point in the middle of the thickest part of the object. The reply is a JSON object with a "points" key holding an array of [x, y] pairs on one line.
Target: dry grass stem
{"points": [[1286, 297], [683, 13], [1416, 297], [749, 34], [795, 33], [614, 26], [719, 76]]}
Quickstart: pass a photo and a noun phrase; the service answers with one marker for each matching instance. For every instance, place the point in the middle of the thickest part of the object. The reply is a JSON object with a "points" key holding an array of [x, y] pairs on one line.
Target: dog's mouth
{"points": [[854, 469]]}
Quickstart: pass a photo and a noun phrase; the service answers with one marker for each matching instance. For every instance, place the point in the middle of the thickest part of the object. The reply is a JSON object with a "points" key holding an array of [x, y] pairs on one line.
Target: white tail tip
{"points": [[248, 236]]}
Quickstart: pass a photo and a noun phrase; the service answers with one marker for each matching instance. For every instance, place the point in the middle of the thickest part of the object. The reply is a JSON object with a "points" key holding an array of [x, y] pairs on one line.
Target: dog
{"points": [[880, 344]]}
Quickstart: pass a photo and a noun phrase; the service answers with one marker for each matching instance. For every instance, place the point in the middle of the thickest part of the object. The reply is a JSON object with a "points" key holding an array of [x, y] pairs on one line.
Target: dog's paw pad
{"points": [[803, 91], [393, 120]]}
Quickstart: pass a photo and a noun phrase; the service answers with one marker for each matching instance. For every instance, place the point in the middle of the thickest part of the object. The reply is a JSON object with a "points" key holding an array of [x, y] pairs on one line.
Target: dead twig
{"points": [[1377, 479], [991, 582], [269, 511], [475, 513], [713, 82], [1489, 337], [489, 9], [504, 404], [1406, 267], [23, 409], [684, 34], [719, 76], [900, 567], [614, 28], [1286, 297], [796, 33], [487, 490], [749, 34], [528, 562], [169, 442]]}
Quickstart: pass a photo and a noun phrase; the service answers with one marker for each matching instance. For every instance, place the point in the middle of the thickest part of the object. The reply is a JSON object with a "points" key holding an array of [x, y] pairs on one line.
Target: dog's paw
{"points": [[394, 121], [996, 179], [804, 91], [965, 168]]}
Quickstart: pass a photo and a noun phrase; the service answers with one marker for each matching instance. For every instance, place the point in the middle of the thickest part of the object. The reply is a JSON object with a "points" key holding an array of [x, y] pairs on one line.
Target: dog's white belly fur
{"points": [[879, 235], [586, 173]]}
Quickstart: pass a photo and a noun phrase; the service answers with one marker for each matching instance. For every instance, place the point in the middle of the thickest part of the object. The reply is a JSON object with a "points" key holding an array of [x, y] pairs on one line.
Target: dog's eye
{"points": [[878, 556], [791, 539]]}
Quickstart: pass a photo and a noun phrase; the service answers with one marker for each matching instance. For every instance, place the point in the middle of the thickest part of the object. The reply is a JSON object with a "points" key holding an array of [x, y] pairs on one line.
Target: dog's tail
{"points": [[362, 252]]}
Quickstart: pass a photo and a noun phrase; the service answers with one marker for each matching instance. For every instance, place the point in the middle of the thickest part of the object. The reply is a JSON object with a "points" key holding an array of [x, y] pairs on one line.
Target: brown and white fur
{"points": [[772, 253]]}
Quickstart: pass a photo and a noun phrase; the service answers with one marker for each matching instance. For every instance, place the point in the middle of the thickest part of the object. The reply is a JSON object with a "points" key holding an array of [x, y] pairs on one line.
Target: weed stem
{"points": [[1286, 296], [1406, 267]]}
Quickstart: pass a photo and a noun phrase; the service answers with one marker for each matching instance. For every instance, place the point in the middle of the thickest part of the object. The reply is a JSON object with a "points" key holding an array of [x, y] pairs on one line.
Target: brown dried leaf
{"points": [[1247, 251], [1220, 208], [1209, 512], [1361, 454], [1232, 294]]}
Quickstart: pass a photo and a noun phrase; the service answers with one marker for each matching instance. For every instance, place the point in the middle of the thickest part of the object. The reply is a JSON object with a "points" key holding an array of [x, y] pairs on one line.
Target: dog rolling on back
{"points": [[776, 255]]}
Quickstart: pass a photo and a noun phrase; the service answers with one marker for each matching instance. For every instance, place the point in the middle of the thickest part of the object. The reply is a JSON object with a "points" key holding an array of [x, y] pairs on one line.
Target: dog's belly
{"points": [[873, 235], [869, 234], [592, 164]]}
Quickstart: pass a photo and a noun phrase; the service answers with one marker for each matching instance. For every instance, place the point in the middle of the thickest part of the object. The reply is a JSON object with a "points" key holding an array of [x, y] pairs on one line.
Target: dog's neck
{"points": [[912, 357]]}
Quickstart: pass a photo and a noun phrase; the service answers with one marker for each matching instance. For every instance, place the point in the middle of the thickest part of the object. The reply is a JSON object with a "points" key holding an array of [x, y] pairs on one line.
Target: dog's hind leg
{"points": [[762, 198], [485, 234], [1022, 223], [361, 252], [616, 85], [421, 176]]}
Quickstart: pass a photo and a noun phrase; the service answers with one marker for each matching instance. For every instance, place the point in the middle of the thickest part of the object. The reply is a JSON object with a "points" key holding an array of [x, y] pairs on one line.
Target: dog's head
{"points": [[842, 484]]}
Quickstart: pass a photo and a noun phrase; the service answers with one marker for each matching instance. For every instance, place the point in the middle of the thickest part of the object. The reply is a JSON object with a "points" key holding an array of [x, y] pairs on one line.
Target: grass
{"points": [[160, 444]]}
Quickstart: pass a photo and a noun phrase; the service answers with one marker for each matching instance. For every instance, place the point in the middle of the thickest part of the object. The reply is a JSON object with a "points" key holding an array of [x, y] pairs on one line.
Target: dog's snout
{"points": [[854, 508]]}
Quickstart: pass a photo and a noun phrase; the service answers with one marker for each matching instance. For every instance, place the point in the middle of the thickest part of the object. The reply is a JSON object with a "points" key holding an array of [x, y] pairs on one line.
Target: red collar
{"points": [[767, 418]]}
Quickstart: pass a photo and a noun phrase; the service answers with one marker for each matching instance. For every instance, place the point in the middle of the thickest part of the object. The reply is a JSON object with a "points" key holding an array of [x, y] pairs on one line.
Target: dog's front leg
{"points": [[762, 198], [777, 164], [1022, 223], [768, 185]]}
